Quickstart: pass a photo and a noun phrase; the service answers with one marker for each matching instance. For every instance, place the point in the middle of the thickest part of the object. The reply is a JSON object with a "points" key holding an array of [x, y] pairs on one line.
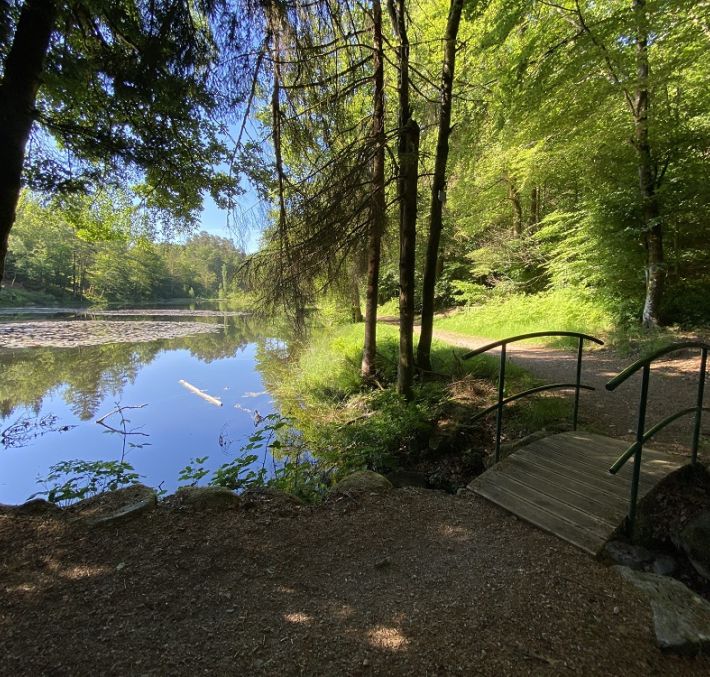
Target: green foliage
{"points": [[566, 309], [99, 249], [294, 471], [194, 471], [348, 426], [75, 480]]}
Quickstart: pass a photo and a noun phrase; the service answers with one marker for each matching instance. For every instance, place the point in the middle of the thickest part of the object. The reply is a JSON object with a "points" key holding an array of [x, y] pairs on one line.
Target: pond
{"points": [[51, 395]]}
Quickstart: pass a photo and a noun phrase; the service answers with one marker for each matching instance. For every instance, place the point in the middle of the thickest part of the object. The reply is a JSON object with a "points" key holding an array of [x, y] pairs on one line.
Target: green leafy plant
{"points": [[74, 480], [192, 474]]}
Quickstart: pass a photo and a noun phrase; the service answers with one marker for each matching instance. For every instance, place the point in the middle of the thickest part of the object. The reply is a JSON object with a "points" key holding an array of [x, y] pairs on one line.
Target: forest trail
{"points": [[410, 582], [673, 385]]}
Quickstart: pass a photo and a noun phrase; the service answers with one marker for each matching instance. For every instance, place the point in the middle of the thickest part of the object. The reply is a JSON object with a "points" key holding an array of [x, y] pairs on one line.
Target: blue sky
{"points": [[216, 221]]}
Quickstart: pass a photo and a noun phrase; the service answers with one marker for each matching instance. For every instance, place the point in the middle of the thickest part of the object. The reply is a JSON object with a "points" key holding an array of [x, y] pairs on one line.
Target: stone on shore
{"points": [[681, 619]]}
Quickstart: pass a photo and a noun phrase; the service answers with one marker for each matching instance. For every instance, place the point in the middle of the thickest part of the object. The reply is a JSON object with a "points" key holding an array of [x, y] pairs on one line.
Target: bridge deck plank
{"points": [[561, 484]]}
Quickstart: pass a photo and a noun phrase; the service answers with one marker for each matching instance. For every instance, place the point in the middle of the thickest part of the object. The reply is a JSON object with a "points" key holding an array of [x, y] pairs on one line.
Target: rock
{"points": [[116, 506], [627, 555], [694, 540], [681, 619], [664, 565], [273, 500], [36, 507], [408, 478], [363, 480], [208, 498]]}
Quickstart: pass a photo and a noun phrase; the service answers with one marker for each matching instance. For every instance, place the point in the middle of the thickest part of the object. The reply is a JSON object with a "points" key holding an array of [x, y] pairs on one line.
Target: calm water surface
{"points": [[69, 388]]}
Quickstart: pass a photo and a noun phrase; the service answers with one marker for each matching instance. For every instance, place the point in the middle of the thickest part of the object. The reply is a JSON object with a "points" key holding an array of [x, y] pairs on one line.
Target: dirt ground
{"points": [[673, 386], [413, 582]]}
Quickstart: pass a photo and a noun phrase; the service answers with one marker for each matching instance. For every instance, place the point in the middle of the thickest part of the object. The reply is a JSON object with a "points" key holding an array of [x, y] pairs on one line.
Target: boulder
{"points": [[694, 540], [207, 498], [36, 507], [271, 500], [664, 565], [363, 481], [113, 507], [681, 619], [627, 555]]}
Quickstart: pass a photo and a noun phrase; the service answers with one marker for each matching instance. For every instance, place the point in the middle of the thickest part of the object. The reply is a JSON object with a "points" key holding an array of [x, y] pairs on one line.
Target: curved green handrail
{"points": [[643, 435], [502, 401], [530, 391], [535, 334], [633, 368]]}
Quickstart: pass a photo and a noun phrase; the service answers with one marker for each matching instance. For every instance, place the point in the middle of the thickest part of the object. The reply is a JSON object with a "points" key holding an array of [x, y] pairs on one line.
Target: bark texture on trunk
{"points": [[652, 228], [18, 92], [438, 188], [355, 309], [514, 197], [377, 205], [408, 157], [409, 174]]}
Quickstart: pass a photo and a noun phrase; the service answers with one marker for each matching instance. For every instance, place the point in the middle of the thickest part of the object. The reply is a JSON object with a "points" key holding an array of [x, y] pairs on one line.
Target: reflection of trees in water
{"points": [[92, 373]]}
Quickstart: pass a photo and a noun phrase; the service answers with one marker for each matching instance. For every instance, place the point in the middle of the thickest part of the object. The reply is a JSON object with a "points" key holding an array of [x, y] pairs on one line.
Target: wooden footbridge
{"points": [[581, 486]]}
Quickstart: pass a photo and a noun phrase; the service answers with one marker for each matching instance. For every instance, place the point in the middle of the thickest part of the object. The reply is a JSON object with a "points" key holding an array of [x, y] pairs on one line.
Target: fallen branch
{"points": [[118, 410], [122, 432], [200, 393]]}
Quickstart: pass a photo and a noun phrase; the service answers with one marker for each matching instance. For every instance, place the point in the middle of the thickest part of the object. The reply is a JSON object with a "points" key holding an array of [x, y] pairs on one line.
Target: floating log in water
{"points": [[200, 393]]}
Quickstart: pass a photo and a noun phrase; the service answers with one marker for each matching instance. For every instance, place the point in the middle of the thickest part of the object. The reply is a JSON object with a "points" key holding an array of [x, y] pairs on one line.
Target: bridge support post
{"points": [[639, 449], [501, 392], [699, 406]]}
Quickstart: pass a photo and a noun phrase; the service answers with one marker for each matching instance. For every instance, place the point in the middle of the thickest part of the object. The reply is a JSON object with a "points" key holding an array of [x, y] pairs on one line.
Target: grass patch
{"points": [[558, 310], [17, 297], [348, 426], [389, 308]]}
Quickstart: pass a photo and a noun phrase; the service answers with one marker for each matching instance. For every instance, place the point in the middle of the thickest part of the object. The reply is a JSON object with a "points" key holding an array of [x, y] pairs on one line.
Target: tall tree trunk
{"points": [[18, 91], [438, 186], [514, 197], [377, 206], [356, 311], [409, 175], [289, 281], [652, 228], [408, 157]]}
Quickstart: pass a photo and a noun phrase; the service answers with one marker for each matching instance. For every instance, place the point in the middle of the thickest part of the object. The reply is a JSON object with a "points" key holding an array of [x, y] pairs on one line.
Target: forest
{"points": [[547, 154], [95, 249], [446, 153]]}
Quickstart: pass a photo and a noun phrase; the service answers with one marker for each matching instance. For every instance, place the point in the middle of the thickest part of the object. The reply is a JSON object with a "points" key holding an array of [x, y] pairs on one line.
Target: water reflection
{"points": [[77, 385], [92, 373]]}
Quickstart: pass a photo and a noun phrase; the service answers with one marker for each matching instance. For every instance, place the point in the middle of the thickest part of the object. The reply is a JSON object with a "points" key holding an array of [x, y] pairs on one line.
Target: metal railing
{"points": [[502, 400], [642, 435]]}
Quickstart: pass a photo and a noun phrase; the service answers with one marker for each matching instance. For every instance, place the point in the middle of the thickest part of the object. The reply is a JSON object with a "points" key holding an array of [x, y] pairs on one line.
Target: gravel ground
{"points": [[413, 582], [71, 334]]}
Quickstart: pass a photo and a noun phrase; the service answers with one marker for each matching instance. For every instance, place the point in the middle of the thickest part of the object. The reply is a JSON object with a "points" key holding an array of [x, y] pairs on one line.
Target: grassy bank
{"points": [[17, 297], [563, 310], [350, 426]]}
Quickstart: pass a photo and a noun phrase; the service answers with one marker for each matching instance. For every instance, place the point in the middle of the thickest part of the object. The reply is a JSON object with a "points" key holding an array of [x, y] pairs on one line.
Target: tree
{"points": [[107, 88], [438, 186], [378, 203], [408, 176]]}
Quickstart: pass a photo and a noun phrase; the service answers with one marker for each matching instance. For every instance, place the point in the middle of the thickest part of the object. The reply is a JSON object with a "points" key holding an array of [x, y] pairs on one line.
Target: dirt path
{"points": [[673, 386], [413, 582]]}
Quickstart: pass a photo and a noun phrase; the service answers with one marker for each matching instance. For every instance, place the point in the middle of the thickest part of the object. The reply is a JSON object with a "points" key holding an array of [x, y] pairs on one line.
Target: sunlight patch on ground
{"points": [[298, 617], [454, 533], [391, 639]]}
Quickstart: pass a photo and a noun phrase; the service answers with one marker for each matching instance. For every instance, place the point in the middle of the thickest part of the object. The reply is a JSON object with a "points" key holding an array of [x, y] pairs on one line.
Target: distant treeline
{"points": [[97, 249]]}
